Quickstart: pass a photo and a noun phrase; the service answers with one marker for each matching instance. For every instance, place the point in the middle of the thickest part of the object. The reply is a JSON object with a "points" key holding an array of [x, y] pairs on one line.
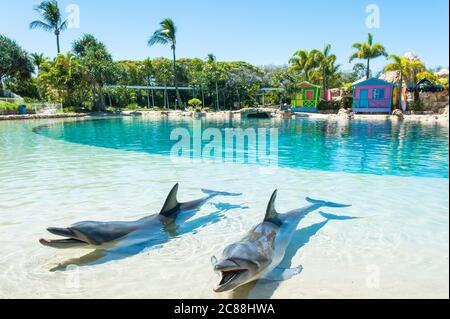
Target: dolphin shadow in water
{"points": [[264, 289], [142, 241]]}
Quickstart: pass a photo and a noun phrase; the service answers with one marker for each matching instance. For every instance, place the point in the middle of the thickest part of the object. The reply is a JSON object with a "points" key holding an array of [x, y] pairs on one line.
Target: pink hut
{"points": [[373, 96]]}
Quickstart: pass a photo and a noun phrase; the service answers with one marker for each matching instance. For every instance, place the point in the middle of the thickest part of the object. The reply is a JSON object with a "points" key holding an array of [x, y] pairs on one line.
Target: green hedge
{"points": [[7, 106]]}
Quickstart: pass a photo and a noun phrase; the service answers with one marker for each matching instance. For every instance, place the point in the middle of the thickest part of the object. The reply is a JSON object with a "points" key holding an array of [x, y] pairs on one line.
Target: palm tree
{"points": [[368, 51], [304, 61], [52, 20], [38, 59], [408, 70], [326, 63], [148, 69], [167, 35], [399, 65], [413, 68], [211, 62]]}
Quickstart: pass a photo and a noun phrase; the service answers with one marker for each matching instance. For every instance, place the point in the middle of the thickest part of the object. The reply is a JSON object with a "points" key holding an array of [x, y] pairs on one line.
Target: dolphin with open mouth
{"points": [[260, 252], [104, 235]]}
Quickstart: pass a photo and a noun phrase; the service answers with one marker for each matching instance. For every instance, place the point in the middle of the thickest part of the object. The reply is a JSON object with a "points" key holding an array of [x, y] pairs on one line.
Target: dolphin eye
{"points": [[213, 260]]}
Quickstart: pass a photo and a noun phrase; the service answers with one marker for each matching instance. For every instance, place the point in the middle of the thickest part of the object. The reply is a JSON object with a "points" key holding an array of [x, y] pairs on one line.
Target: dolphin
{"points": [[260, 252], [104, 235]]}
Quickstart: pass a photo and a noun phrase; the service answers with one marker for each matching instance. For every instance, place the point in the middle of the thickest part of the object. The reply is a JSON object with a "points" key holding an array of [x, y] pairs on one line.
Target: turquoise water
{"points": [[393, 175], [380, 148]]}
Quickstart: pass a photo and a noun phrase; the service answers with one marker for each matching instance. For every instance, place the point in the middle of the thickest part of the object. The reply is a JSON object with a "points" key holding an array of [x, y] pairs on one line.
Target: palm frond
{"points": [[397, 59], [354, 56], [37, 24], [211, 58], [164, 35], [50, 12], [379, 49], [370, 39], [392, 67], [63, 26], [327, 50], [158, 38]]}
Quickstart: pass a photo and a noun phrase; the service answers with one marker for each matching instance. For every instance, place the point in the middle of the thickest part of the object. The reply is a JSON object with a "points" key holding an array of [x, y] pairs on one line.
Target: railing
{"points": [[15, 100], [46, 108]]}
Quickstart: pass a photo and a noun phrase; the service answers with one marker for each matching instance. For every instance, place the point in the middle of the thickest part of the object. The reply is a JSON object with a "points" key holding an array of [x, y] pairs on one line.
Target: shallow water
{"points": [[398, 248], [381, 147]]}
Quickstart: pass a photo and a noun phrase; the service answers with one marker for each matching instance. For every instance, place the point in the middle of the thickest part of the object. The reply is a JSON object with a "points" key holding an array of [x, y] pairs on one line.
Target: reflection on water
{"points": [[371, 147]]}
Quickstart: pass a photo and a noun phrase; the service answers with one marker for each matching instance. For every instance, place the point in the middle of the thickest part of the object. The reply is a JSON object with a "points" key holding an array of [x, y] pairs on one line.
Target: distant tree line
{"points": [[79, 78]]}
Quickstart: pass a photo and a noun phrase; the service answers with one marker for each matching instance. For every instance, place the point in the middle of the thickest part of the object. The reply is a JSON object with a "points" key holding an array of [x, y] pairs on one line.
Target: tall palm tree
{"points": [[304, 61], [413, 68], [399, 65], [52, 20], [166, 34], [368, 51], [147, 68], [326, 63], [211, 62]]}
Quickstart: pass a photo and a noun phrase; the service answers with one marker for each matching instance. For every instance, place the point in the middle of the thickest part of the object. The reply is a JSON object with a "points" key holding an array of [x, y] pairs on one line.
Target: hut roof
{"points": [[373, 81], [306, 84]]}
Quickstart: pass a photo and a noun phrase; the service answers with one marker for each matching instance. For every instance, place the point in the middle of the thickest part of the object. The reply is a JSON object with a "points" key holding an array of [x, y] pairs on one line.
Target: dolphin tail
{"points": [[325, 204], [336, 217], [217, 193]]}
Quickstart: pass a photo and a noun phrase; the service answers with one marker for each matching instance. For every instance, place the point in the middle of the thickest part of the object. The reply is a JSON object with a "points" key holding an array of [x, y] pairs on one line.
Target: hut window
{"points": [[378, 94], [309, 94]]}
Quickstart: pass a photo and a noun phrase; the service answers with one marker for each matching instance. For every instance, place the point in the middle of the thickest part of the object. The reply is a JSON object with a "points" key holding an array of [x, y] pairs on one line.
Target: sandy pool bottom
{"points": [[398, 248]]}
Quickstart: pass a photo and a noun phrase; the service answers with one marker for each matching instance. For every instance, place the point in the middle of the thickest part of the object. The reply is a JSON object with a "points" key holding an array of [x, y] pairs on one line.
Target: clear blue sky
{"points": [[261, 32]]}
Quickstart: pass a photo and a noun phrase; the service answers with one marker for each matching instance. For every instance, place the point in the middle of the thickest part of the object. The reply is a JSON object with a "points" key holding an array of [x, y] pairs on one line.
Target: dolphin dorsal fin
{"points": [[271, 213], [171, 204]]}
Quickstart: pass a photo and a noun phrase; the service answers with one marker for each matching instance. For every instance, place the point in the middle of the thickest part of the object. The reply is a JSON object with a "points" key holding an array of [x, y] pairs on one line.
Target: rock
{"points": [[345, 114], [412, 57], [287, 114], [442, 74], [198, 115], [433, 97], [391, 76], [398, 114], [444, 111], [344, 111], [42, 116]]}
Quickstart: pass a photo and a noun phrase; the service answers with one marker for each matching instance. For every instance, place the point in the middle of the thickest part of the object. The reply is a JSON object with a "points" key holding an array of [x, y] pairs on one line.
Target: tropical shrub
{"points": [[444, 83], [427, 75], [14, 61], [346, 102], [416, 106], [328, 106], [7, 106], [195, 105]]}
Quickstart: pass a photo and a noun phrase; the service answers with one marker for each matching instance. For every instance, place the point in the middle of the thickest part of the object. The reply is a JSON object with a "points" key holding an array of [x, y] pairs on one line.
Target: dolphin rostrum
{"points": [[103, 235], [260, 252]]}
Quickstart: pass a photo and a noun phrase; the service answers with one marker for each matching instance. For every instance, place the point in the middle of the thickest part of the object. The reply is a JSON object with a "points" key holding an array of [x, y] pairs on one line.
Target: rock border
{"points": [[342, 115], [41, 116]]}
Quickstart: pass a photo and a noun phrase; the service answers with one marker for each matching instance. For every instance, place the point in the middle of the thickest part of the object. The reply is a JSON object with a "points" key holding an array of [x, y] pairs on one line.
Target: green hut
{"points": [[306, 98]]}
